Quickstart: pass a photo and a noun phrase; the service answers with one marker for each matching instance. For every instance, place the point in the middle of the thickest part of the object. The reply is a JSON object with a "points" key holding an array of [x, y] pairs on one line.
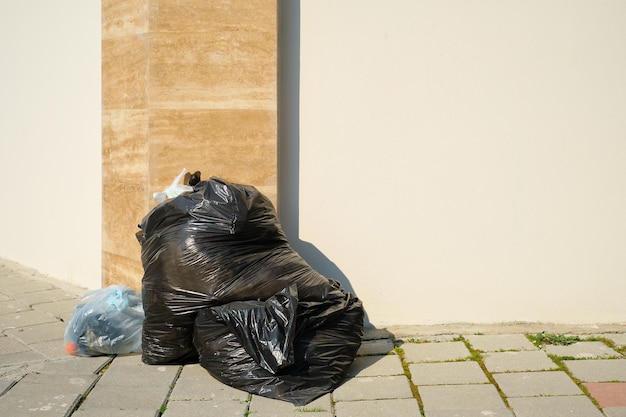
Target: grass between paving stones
{"points": [[542, 339], [407, 372], [99, 372], [559, 361], [169, 391], [479, 357], [309, 410]]}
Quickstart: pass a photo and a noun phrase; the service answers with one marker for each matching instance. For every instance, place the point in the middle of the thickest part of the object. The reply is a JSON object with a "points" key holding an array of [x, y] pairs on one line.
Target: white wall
{"points": [[50, 137], [465, 161]]}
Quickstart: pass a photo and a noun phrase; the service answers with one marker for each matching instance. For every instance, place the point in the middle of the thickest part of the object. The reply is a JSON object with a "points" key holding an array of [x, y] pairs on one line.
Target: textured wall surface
{"points": [[185, 85]]}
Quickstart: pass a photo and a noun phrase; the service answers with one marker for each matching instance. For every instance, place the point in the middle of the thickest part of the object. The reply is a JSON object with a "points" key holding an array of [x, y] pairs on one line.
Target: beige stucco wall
{"points": [[50, 136], [465, 160], [454, 161]]}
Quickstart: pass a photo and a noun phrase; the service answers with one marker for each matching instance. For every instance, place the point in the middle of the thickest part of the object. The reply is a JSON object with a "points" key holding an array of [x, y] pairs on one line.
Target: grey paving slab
{"points": [[447, 373], [18, 285], [43, 393], [18, 358], [372, 333], [46, 296], [11, 345], [536, 360], [14, 285], [583, 350], [60, 309], [501, 342], [579, 406], [72, 365], [373, 388], [12, 306], [267, 407], [120, 400], [598, 370], [375, 347], [618, 339], [38, 332], [376, 366], [378, 408], [51, 349], [463, 400], [437, 338], [193, 408], [131, 371], [535, 384], [5, 384], [614, 411], [196, 384], [434, 352], [25, 318]]}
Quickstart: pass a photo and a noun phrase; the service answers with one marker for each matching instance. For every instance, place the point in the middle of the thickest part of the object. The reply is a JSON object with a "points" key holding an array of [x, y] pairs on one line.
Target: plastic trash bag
{"points": [[107, 321], [320, 354], [213, 259]]}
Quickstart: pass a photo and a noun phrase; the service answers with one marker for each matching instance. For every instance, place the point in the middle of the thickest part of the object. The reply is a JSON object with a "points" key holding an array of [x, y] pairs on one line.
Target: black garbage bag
{"points": [[209, 250], [230, 339]]}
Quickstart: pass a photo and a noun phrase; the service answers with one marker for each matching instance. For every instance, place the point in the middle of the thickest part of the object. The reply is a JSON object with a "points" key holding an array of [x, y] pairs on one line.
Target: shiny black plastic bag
{"points": [[324, 346], [219, 246]]}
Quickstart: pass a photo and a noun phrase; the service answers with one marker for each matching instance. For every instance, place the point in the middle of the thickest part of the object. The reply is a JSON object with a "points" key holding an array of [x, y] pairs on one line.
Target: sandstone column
{"points": [[185, 84]]}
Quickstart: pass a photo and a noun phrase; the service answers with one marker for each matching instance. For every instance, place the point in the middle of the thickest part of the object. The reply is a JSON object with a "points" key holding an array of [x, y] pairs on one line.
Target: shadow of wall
{"points": [[289, 145]]}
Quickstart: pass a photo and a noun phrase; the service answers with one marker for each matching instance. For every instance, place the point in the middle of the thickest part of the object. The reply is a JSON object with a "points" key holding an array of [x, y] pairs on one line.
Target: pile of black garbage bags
{"points": [[222, 286]]}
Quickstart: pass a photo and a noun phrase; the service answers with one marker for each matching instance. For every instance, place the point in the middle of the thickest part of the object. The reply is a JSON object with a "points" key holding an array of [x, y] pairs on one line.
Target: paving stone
{"points": [[438, 338], [39, 393], [618, 339], [12, 306], [435, 352], [598, 370], [18, 358], [38, 332], [177, 408], [463, 400], [536, 384], [25, 318], [19, 285], [196, 384], [373, 388], [579, 406], [46, 296], [120, 400], [62, 310], [72, 365], [375, 366], [372, 333], [131, 371], [518, 361], [378, 408], [608, 394], [51, 349], [5, 384], [582, 350], [267, 407], [11, 345], [447, 373], [500, 342], [375, 347], [614, 411]]}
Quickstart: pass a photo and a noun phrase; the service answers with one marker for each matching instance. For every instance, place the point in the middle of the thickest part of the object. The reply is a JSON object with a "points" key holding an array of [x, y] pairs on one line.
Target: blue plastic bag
{"points": [[107, 321]]}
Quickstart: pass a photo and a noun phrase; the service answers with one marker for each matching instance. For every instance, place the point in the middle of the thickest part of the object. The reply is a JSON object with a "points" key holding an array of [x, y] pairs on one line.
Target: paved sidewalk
{"points": [[450, 372]]}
